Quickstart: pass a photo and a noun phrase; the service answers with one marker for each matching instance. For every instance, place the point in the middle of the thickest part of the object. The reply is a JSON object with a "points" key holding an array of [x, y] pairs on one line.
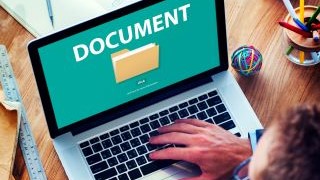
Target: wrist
{"points": [[245, 149]]}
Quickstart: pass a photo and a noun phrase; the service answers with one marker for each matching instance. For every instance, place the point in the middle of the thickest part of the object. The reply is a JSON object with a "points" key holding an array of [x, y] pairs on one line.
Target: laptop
{"points": [[108, 84]]}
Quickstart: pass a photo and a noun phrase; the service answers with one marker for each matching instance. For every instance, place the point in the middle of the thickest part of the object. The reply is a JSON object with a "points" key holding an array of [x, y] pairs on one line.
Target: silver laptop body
{"points": [[82, 145]]}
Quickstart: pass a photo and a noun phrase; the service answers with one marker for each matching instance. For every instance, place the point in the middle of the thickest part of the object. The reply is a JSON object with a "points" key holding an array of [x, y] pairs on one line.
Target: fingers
{"points": [[181, 127], [184, 154], [173, 138], [194, 122]]}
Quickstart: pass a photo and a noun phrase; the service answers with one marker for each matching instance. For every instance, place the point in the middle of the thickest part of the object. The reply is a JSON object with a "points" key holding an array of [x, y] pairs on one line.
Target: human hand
{"points": [[216, 151]]}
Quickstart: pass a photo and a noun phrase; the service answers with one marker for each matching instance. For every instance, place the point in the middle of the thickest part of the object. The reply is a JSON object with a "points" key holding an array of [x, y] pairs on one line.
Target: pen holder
{"points": [[295, 43]]}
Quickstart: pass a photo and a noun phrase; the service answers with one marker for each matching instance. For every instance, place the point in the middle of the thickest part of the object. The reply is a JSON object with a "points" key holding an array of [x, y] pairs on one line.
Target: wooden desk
{"points": [[279, 85]]}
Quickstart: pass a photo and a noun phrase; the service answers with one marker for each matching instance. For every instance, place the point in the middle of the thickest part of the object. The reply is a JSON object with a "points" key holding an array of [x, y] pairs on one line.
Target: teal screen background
{"points": [[82, 89]]}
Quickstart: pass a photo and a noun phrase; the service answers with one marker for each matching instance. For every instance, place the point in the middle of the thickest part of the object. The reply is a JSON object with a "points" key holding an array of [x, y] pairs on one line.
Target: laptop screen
{"points": [[129, 57]]}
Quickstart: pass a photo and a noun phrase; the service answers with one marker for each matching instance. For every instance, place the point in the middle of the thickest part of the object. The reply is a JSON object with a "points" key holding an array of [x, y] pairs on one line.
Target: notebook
{"points": [[33, 14]]}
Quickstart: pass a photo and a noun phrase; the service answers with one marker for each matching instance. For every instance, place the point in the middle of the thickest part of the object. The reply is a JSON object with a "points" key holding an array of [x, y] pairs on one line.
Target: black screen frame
{"points": [[133, 105]]}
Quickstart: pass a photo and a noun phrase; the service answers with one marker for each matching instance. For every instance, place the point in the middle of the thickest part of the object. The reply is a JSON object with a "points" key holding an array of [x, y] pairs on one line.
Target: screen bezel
{"points": [[133, 105]]}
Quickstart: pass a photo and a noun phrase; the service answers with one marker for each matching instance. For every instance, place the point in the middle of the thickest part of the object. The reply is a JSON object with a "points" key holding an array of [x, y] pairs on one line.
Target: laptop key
{"points": [[124, 177], [106, 154], [155, 165], [228, 125], [125, 146], [121, 168], [203, 97], [183, 105], [124, 128], [84, 144], [126, 136], [173, 109], [106, 174], [144, 120], [148, 157], [209, 121], [131, 164], [135, 124], [193, 109], [193, 101], [155, 124], [141, 160], [212, 93], [122, 158], [99, 167], [112, 161], [132, 153], [221, 118], [114, 178], [154, 116], [115, 150], [214, 101], [192, 117], [164, 121], [142, 150], [144, 138], [135, 142], [202, 106], [106, 143], [183, 113], [154, 133], [164, 112], [94, 140], [134, 174], [97, 147], [87, 151], [237, 134], [114, 132], [93, 159], [202, 115], [221, 108], [173, 117], [145, 128], [151, 147], [136, 132], [211, 112], [116, 139], [104, 136]]}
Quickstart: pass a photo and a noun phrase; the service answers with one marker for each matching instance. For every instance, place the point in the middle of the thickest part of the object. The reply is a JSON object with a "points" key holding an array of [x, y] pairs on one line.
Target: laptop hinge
{"points": [[156, 99]]}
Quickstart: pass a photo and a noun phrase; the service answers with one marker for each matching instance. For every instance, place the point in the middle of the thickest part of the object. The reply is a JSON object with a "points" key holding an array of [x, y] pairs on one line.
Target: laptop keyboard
{"points": [[123, 153]]}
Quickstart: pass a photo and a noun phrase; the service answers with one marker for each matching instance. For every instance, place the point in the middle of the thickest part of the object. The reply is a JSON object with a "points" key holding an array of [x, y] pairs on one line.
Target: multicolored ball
{"points": [[247, 60]]}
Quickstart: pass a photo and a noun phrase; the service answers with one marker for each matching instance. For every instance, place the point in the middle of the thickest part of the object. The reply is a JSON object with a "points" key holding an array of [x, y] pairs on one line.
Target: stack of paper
{"points": [[34, 16]]}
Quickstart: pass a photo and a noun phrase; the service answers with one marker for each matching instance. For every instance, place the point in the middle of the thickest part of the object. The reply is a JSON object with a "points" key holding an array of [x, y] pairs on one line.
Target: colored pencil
{"points": [[302, 21], [290, 9], [295, 29], [315, 34], [313, 17], [289, 50], [315, 26], [301, 24]]}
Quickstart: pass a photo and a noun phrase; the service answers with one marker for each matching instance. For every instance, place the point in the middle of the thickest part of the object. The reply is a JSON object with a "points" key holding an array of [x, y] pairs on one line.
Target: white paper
{"points": [[33, 14]]}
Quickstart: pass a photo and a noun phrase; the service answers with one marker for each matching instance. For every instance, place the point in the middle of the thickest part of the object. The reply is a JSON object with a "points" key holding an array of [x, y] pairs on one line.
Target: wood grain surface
{"points": [[279, 85]]}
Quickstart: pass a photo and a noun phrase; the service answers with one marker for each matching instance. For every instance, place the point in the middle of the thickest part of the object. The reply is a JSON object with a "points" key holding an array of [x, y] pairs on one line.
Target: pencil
{"points": [[301, 24], [301, 57], [313, 17], [295, 29], [49, 7], [315, 26], [290, 9], [302, 20], [315, 36]]}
